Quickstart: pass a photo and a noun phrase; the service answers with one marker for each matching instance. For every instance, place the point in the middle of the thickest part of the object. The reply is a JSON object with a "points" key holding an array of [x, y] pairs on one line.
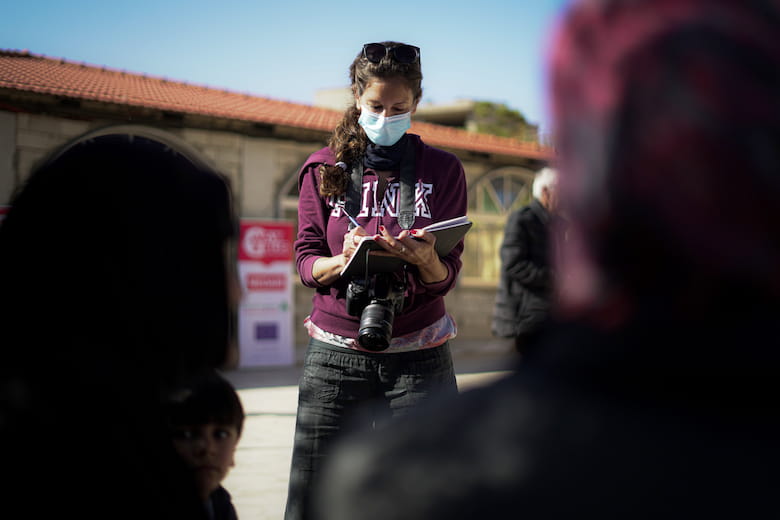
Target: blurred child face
{"points": [[208, 450]]}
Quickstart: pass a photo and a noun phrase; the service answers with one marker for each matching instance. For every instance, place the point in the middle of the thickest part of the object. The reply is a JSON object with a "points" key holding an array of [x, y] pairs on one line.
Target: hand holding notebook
{"points": [[447, 232]]}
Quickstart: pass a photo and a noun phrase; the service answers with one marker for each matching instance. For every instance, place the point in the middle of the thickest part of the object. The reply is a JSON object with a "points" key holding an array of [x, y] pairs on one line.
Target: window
{"points": [[491, 199]]}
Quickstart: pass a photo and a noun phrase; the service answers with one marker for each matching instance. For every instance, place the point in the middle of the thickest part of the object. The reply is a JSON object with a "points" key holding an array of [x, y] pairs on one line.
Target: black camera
{"points": [[376, 299]]}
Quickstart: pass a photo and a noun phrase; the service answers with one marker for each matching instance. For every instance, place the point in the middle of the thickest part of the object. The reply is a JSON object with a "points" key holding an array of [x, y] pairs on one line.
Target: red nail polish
{"points": [[382, 228], [415, 232]]}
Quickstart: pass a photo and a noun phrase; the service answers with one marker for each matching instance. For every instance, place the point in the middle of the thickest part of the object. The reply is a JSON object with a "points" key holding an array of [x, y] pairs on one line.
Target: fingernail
{"points": [[415, 232], [382, 228]]}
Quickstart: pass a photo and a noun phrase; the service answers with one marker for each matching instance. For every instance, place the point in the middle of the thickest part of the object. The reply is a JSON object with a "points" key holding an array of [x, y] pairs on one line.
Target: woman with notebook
{"points": [[379, 340]]}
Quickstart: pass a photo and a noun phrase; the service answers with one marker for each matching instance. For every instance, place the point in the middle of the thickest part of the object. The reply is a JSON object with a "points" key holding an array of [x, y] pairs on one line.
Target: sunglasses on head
{"points": [[374, 52]]}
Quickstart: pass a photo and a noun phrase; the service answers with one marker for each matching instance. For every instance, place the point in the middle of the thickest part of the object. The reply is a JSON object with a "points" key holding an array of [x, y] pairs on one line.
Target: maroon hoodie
{"points": [[440, 194]]}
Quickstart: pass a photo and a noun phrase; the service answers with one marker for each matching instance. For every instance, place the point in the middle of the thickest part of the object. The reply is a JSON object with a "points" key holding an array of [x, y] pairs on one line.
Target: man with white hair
{"points": [[523, 298]]}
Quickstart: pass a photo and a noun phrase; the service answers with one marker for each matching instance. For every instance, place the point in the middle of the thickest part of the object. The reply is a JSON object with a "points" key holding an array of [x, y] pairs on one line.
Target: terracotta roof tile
{"points": [[24, 71]]}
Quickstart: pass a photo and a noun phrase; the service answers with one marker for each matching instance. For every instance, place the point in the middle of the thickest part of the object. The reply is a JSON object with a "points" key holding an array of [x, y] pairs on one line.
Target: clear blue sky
{"points": [[489, 50]]}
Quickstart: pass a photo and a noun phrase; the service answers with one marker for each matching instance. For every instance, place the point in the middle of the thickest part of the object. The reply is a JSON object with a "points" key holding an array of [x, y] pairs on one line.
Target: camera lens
{"points": [[376, 326]]}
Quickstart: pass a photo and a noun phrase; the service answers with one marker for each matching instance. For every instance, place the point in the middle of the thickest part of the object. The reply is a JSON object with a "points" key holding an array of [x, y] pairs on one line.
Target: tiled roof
{"points": [[28, 72]]}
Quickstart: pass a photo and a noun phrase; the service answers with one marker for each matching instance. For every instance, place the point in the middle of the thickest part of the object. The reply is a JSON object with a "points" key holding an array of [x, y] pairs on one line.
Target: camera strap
{"points": [[406, 211]]}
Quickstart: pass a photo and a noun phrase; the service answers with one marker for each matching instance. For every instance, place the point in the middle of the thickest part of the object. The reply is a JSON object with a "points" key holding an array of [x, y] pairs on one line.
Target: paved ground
{"points": [[258, 482]]}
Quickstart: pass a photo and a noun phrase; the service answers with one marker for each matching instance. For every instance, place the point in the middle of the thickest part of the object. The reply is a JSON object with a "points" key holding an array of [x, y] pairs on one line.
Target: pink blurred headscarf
{"points": [[667, 124]]}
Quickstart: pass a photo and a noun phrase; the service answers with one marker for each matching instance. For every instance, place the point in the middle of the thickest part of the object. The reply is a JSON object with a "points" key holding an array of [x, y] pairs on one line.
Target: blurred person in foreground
{"points": [[115, 287], [653, 396], [524, 292]]}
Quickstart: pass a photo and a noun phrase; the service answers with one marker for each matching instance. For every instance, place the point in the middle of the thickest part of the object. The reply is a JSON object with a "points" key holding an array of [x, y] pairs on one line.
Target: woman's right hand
{"points": [[352, 239], [327, 269]]}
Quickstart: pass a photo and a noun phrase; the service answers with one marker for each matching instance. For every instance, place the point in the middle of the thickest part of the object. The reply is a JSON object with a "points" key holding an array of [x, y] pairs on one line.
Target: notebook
{"points": [[448, 233]]}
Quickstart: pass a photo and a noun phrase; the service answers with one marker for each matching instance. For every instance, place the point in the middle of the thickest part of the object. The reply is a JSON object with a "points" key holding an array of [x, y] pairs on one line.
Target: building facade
{"points": [[259, 144]]}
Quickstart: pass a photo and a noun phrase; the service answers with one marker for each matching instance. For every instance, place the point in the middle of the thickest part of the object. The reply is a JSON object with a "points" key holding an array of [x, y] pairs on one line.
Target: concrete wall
{"points": [[256, 167], [268, 164], [7, 156], [27, 138]]}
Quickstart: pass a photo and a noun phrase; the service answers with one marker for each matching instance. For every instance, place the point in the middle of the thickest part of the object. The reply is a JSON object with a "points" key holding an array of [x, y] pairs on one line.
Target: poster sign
{"points": [[265, 315]]}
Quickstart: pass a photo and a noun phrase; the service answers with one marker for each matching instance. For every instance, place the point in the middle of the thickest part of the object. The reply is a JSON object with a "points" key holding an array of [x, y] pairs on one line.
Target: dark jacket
{"points": [[523, 298], [220, 505]]}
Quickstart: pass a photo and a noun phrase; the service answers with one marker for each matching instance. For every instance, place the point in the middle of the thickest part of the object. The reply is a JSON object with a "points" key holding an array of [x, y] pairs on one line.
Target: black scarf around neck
{"points": [[385, 158]]}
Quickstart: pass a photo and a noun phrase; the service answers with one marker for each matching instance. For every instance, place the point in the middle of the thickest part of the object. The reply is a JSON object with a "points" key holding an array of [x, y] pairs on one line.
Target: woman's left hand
{"points": [[415, 247]]}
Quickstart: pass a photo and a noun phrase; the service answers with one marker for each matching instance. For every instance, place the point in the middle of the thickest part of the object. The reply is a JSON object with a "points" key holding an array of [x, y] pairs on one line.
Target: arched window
{"points": [[491, 199]]}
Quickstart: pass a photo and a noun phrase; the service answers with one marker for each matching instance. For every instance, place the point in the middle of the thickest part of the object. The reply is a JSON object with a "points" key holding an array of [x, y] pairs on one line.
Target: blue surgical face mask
{"points": [[384, 131]]}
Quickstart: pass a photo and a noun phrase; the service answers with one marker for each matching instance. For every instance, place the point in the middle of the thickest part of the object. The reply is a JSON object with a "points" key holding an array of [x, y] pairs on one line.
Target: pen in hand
{"points": [[350, 217]]}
